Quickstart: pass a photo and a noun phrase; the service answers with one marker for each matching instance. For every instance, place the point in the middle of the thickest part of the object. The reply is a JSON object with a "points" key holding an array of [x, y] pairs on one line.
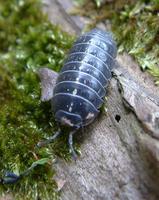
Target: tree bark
{"points": [[120, 150]]}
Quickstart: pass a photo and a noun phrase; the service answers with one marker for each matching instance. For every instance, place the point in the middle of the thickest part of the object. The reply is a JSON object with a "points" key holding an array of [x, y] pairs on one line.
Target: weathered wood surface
{"points": [[57, 11], [120, 150], [118, 158]]}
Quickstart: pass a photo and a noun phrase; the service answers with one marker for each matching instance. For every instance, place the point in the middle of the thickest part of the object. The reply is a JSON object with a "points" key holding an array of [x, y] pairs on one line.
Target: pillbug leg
{"points": [[70, 141], [49, 140]]}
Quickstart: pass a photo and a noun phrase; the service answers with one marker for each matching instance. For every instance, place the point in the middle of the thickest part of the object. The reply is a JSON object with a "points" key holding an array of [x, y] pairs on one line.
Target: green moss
{"points": [[28, 41], [135, 26], [138, 34]]}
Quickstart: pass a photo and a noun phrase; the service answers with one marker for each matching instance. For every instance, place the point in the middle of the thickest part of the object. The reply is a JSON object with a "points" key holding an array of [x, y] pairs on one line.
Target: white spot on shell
{"points": [[70, 108], [90, 116], [74, 92]]}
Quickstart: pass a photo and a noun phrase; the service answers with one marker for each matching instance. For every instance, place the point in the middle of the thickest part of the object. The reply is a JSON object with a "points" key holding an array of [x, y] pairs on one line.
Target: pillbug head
{"points": [[68, 119]]}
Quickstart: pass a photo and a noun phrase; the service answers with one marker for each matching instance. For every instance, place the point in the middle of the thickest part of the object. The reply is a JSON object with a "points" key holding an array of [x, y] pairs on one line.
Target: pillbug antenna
{"points": [[49, 140], [70, 142]]}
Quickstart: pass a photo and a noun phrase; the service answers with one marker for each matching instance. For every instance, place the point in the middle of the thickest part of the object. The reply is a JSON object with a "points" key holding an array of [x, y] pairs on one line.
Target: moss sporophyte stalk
{"points": [[28, 41]]}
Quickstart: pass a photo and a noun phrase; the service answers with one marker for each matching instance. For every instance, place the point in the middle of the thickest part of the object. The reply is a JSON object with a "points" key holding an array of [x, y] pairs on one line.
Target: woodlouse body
{"points": [[82, 82], [80, 87]]}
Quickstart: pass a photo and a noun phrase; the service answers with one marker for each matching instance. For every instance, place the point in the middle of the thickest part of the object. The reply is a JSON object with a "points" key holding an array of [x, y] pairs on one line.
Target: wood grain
{"points": [[120, 150]]}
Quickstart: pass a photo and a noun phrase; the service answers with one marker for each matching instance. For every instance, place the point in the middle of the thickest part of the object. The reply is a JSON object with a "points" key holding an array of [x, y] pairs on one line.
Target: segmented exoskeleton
{"points": [[81, 84], [78, 91]]}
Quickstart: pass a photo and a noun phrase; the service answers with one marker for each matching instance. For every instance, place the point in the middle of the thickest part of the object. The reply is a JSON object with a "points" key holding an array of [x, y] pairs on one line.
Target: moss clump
{"points": [[28, 41], [136, 28]]}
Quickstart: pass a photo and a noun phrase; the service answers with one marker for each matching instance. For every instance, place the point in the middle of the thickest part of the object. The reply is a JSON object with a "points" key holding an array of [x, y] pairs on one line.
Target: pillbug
{"points": [[78, 91]]}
